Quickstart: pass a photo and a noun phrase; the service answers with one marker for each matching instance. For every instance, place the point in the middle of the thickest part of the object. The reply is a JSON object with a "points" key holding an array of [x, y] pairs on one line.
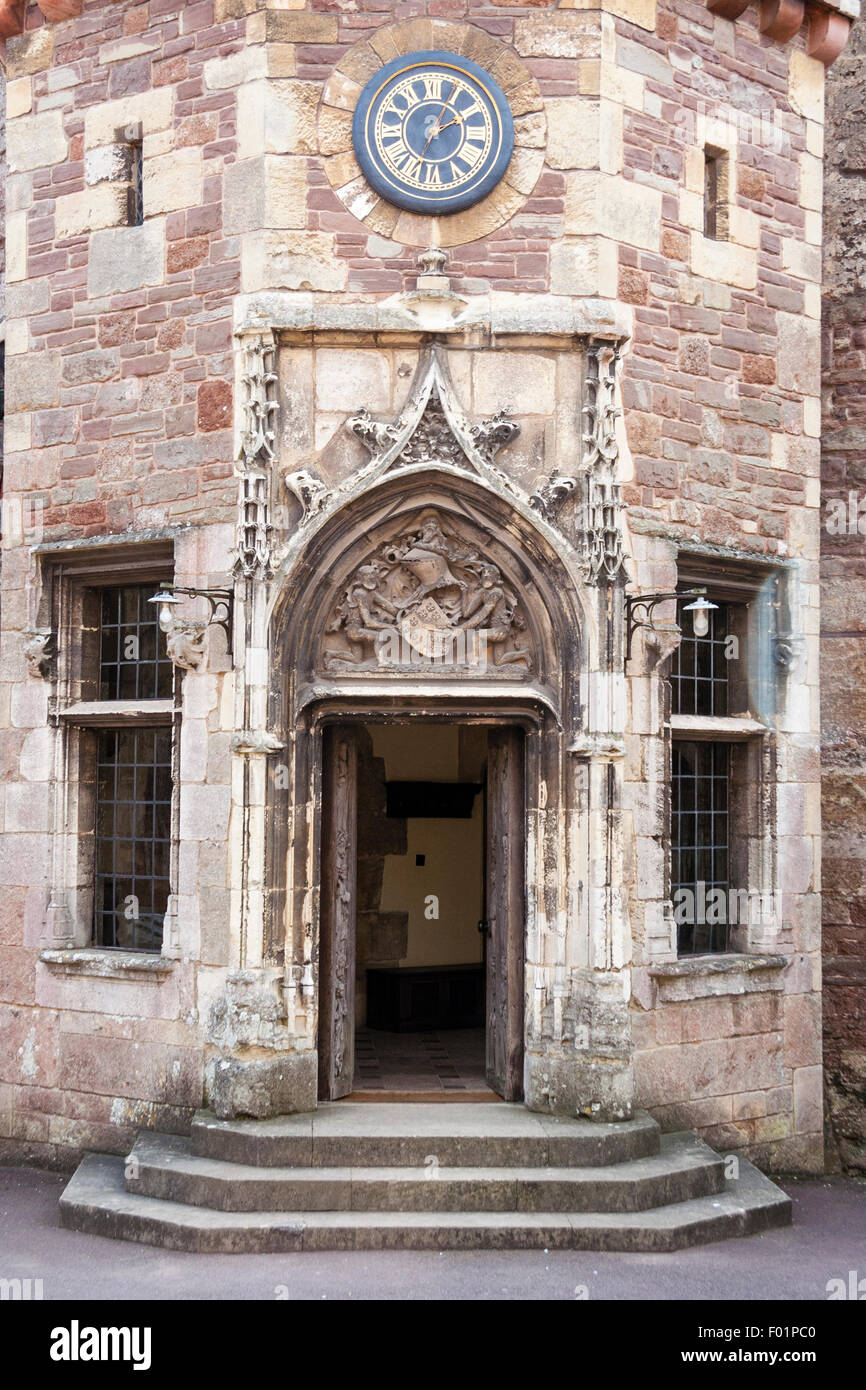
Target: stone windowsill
{"points": [[116, 713], [141, 966], [701, 977], [732, 729]]}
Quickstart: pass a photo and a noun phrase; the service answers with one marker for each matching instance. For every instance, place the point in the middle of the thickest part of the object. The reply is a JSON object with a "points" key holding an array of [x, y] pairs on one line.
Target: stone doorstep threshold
{"points": [[383, 1097], [141, 966], [697, 977]]}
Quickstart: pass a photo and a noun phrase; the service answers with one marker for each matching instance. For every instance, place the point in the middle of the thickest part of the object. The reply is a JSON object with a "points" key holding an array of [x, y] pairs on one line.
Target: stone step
{"points": [[96, 1201], [342, 1134], [164, 1167]]}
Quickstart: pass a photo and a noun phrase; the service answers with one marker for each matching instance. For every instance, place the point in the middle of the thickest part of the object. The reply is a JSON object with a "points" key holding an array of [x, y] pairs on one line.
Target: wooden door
{"points": [[337, 913], [505, 910]]}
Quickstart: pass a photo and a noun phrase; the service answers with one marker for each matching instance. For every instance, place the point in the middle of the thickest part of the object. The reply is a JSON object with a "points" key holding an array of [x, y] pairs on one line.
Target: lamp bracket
{"points": [[220, 607], [645, 605]]}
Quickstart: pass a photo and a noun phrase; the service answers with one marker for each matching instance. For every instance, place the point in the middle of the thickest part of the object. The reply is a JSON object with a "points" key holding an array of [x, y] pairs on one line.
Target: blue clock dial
{"points": [[433, 132]]}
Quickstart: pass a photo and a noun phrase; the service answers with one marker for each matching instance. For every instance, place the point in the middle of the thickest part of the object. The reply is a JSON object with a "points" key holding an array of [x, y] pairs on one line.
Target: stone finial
{"points": [[432, 263]]}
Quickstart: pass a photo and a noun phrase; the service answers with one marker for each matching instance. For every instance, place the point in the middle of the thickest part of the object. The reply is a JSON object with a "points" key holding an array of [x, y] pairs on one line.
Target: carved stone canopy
{"points": [[427, 602]]}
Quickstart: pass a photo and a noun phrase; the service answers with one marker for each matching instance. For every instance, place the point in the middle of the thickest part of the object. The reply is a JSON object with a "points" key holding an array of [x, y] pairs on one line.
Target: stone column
{"points": [[252, 1068]]}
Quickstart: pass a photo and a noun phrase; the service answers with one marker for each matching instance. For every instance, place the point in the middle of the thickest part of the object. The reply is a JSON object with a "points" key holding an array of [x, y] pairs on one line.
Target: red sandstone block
{"points": [[146, 366], [203, 219], [170, 70], [185, 255]]}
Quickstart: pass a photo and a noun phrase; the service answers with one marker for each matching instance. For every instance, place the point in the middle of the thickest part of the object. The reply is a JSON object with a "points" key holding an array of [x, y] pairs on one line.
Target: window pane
{"points": [[134, 664], [699, 669], [699, 846], [132, 885]]}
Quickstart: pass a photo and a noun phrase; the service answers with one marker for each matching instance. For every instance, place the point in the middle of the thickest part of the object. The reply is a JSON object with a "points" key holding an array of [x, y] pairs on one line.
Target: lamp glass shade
{"points": [[700, 611]]}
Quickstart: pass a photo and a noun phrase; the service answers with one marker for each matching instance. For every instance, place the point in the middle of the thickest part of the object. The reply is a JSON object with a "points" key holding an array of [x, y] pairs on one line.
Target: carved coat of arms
{"points": [[428, 600]]}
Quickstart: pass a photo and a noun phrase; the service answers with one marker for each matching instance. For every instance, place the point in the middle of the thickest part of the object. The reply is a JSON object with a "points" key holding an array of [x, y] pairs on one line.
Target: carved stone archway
{"points": [[417, 554]]}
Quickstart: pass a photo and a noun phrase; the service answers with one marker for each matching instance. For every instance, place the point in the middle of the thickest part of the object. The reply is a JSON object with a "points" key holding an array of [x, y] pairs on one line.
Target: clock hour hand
{"points": [[458, 120]]}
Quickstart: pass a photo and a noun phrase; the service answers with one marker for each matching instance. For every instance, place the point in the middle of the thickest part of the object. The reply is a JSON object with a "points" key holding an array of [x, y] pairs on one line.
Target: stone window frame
{"points": [[753, 743], [73, 575]]}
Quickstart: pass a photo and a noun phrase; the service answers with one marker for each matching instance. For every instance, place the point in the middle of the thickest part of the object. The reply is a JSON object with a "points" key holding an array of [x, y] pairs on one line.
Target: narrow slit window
{"points": [[716, 190], [136, 184]]}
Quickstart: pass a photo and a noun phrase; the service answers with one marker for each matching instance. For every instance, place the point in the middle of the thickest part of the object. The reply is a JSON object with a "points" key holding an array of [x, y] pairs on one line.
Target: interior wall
{"points": [[444, 896]]}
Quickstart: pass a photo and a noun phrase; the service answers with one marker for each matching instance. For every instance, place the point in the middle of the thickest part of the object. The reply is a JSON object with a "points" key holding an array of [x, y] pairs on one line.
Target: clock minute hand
{"points": [[436, 129]]}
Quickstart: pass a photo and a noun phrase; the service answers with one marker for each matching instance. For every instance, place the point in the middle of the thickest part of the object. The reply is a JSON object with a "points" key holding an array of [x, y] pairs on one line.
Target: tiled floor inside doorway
{"points": [[447, 1062]]}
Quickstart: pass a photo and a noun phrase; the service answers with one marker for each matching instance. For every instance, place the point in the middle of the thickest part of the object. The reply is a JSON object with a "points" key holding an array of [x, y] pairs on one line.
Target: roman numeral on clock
{"points": [[470, 154]]}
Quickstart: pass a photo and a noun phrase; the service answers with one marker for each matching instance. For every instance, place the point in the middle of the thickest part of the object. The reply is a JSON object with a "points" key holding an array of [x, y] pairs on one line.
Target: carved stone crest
{"points": [[428, 600]]}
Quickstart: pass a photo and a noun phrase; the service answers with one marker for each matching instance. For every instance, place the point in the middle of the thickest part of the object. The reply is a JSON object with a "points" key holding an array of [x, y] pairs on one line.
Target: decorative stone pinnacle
{"points": [[433, 261]]}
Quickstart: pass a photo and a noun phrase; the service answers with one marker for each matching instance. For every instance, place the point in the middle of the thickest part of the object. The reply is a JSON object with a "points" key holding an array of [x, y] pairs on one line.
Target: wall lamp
{"points": [[220, 614], [639, 609]]}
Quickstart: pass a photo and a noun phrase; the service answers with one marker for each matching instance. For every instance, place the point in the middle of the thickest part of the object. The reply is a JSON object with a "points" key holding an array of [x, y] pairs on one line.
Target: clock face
{"points": [[433, 132]]}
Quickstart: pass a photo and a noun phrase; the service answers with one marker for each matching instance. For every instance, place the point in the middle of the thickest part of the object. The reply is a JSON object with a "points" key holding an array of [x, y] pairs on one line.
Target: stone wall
{"points": [[843, 642]]}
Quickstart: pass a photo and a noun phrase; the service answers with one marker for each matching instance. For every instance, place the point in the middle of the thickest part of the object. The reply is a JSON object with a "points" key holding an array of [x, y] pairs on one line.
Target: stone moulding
{"points": [[493, 314], [185, 644], [602, 501], [699, 977], [256, 743], [141, 966]]}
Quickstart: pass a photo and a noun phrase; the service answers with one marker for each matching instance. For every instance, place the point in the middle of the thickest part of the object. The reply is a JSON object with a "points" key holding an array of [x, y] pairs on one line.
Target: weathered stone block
{"points": [[585, 267], [269, 192], [725, 261], [36, 142], [107, 205], [281, 1085], [30, 52], [151, 109], [126, 258], [19, 97], [523, 383], [346, 376], [598, 205], [558, 36], [33, 381], [172, 181], [304, 261], [798, 354], [806, 85], [277, 117]]}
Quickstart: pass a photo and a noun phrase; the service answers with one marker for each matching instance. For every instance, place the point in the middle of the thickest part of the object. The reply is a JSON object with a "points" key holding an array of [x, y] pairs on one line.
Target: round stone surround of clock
{"points": [[443, 199]]}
